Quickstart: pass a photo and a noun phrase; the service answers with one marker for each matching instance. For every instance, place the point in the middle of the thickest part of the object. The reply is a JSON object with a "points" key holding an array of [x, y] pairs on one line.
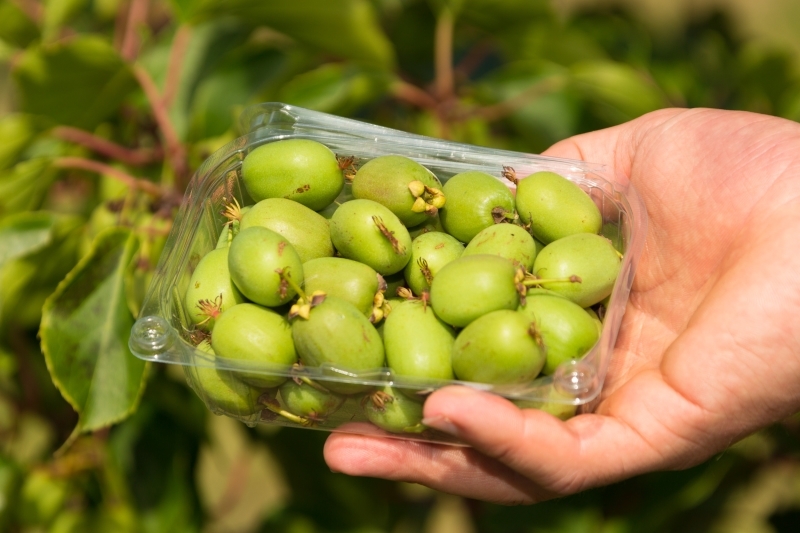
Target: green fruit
{"points": [[368, 232], [590, 257], [258, 338], [256, 256], [306, 230], [506, 240], [418, 344], [222, 391], [555, 207], [387, 180], [211, 290], [393, 412], [429, 253], [342, 278], [298, 169], [338, 337], [565, 329], [475, 201], [472, 286], [498, 348], [304, 400]]}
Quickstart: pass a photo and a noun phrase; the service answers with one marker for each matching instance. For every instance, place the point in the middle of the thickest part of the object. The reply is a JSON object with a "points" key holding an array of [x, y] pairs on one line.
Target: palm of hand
{"points": [[709, 349]]}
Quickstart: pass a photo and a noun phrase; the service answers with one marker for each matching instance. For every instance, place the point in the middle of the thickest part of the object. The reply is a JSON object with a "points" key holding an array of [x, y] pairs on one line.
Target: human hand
{"points": [[709, 347]]}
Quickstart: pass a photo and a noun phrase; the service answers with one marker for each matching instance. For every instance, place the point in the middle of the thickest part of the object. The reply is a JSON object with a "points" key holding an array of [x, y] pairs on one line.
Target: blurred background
{"points": [[108, 106]]}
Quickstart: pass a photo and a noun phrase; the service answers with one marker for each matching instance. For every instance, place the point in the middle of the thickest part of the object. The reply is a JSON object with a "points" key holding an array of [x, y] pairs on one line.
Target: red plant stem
{"points": [[176, 153], [82, 163], [178, 50], [137, 16], [502, 109], [32, 8], [413, 95], [443, 52], [106, 147]]}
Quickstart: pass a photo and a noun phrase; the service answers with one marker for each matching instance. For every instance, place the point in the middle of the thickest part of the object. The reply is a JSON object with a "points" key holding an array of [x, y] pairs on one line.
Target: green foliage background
{"points": [[107, 106]]}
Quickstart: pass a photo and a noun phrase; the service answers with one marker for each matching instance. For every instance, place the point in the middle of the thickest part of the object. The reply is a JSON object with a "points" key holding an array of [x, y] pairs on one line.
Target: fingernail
{"points": [[441, 423]]}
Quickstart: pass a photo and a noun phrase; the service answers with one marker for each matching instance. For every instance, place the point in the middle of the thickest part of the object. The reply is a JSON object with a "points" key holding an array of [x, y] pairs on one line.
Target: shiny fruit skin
{"points": [[342, 278], [338, 335], [506, 240], [385, 180], [303, 400], [566, 330], [395, 413], [471, 198], [211, 281], [255, 255], [302, 170], [306, 230], [257, 336], [555, 207], [590, 257], [222, 391], [417, 342], [472, 286], [436, 249], [357, 235], [497, 348]]}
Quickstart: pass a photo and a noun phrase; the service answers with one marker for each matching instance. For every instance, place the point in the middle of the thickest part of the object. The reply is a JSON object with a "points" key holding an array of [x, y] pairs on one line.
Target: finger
{"points": [[646, 425], [453, 469]]}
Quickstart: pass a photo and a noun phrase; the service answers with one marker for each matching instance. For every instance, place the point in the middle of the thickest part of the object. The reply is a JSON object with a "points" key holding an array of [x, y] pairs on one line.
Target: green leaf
{"points": [[334, 88], [80, 82], [15, 26], [345, 28], [25, 233], [16, 134], [618, 91], [84, 336], [23, 187], [58, 12]]}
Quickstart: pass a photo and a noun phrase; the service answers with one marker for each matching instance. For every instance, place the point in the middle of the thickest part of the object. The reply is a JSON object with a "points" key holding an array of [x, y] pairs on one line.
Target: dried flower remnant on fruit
{"points": [[398, 248], [347, 164], [510, 174], [210, 309]]}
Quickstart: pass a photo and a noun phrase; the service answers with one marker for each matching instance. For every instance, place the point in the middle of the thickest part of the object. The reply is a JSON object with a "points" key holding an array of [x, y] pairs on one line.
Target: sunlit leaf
{"points": [[84, 335], [346, 28], [78, 82], [25, 233], [334, 88], [24, 186], [618, 91], [15, 26], [59, 12], [16, 133], [239, 483]]}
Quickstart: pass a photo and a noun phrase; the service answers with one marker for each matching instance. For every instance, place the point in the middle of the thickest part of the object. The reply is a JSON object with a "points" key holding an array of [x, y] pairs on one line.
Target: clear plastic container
{"points": [[163, 333]]}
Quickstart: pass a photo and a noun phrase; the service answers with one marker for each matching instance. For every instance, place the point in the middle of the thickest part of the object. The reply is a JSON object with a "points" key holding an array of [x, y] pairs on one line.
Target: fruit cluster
{"points": [[462, 281]]}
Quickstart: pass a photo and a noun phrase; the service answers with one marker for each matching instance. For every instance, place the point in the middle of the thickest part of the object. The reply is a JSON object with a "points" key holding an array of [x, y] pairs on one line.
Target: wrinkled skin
{"points": [[703, 359]]}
